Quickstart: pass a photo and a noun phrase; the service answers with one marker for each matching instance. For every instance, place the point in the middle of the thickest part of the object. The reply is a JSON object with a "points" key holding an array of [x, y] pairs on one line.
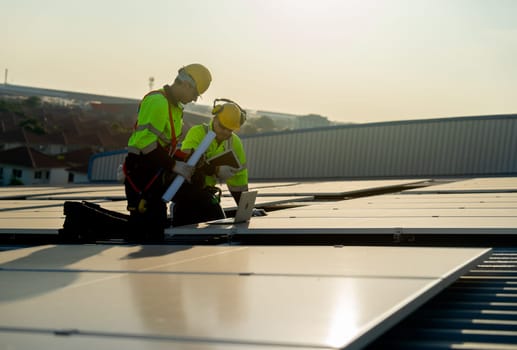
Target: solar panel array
{"points": [[234, 295]]}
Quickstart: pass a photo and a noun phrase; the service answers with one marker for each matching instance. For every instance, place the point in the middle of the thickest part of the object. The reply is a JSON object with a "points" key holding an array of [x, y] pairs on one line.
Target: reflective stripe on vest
{"points": [[170, 145]]}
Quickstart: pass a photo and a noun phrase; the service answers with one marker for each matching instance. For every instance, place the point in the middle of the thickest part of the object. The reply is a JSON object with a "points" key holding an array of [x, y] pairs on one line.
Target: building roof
{"points": [[22, 136], [27, 157]]}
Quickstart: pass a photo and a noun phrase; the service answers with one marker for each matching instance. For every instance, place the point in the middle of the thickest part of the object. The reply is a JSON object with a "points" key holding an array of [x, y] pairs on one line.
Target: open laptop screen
{"points": [[244, 210]]}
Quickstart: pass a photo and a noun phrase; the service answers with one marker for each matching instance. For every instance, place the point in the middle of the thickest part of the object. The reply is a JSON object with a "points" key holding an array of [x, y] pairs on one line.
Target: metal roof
{"points": [[478, 311]]}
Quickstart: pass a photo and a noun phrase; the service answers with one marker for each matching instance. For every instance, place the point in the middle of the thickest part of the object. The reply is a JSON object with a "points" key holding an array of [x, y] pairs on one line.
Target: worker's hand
{"points": [[224, 172], [183, 169]]}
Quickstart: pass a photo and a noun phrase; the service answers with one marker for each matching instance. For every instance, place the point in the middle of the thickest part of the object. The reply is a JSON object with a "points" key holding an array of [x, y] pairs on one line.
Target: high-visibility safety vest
{"points": [[159, 123], [193, 138]]}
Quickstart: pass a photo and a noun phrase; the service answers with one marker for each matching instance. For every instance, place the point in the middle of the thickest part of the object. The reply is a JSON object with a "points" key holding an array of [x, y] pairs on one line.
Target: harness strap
{"points": [[134, 186]]}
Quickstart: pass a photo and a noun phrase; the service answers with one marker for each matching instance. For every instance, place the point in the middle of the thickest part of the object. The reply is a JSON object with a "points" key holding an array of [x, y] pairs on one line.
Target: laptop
{"points": [[244, 210]]}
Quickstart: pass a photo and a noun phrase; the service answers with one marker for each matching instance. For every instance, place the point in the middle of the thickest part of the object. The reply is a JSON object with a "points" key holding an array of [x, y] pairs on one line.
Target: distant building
{"points": [[25, 166], [59, 96], [48, 143], [293, 122]]}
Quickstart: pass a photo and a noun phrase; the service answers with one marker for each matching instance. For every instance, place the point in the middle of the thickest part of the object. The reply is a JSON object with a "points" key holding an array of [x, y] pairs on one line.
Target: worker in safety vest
{"points": [[199, 200], [153, 159]]}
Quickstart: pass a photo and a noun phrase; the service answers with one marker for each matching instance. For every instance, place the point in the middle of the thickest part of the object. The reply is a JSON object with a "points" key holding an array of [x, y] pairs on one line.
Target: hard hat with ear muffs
{"points": [[230, 114]]}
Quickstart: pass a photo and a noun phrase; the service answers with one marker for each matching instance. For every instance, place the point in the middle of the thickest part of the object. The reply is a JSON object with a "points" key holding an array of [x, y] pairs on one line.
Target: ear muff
{"points": [[243, 116], [217, 108]]}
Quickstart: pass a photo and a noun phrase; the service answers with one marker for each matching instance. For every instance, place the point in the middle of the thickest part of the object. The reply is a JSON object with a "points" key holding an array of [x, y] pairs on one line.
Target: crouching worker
{"points": [[199, 200], [152, 161]]}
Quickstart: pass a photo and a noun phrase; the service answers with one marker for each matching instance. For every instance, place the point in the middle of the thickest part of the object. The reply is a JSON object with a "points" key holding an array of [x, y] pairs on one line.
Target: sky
{"points": [[355, 61]]}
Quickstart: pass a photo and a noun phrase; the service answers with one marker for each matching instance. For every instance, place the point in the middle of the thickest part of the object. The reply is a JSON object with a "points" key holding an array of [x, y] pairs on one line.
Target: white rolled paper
{"points": [[178, 180]]}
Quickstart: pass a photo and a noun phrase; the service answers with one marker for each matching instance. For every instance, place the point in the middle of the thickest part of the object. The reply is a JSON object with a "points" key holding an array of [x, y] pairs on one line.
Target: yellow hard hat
{"points": [[230, 114], [200, 75]]}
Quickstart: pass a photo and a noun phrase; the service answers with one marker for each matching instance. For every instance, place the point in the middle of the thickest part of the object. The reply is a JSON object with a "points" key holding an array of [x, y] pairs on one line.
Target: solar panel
{"points": [[366, 225], [477, 185], [262, 296], [336, 188]]}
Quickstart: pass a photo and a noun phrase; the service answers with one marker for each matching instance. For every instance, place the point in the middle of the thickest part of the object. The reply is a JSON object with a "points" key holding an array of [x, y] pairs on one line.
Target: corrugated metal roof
{"points": [[478, 311], [436, 147]]}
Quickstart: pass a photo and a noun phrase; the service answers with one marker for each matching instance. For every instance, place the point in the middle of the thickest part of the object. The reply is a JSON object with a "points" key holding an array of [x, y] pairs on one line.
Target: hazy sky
{"points": [[348, 60]]}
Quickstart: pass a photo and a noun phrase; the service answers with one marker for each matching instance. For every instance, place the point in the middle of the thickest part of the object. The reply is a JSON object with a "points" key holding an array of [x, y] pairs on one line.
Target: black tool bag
{"points": [[88, 222]]}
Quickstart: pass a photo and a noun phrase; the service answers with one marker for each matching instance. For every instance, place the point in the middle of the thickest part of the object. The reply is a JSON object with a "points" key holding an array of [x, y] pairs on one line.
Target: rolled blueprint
{"points": [[194, 158]]}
